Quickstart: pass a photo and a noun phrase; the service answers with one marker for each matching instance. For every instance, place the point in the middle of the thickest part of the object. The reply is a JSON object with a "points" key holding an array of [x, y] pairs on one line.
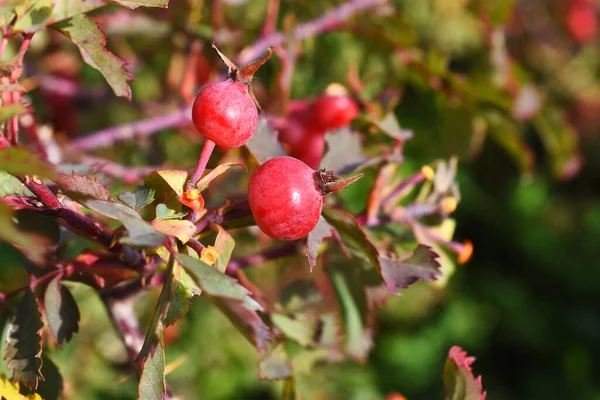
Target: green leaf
{"points": [[142, 3], [152, 384], [352, 298], [139, 199], [7, 112], [301, 331], [181, 229], [233, 299], [224, 244], [24, 343], [82, 187], [299, 295], [183, 289], [62, 312], [140, 232], [219, 170], [275, 365], [352, 235], [264, 144], [17, 161], [421, 264], [9, 185], [166, 183], [35, 16], [34, 246], [459, 381], [319, 233], [91, 41], [64, 9], [164, 212]]}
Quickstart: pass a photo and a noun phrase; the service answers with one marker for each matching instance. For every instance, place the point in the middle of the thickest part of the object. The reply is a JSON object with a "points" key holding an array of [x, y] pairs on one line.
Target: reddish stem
{"points": [[31, 285], [195, 245], [3, 44], [270, 24], [207, 150], [286, 250]]}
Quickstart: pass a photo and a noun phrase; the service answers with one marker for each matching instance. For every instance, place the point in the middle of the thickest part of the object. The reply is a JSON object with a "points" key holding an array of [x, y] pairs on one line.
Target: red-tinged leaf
{"points": [[344, 151], [17, 161], [34, 16], [64, 9], [91, 41], [422, 264], [183, 289], [320, 232], [99, 270], [181, 229], [459, 381], [166, 183], [142, 3], [275, 365], [233, 299], [140, 232], [264, 144], [24, 343], [36, 247], [352, 235], [82, 187], [152, 384], [219, 170], [224, 245], [61, 310]]}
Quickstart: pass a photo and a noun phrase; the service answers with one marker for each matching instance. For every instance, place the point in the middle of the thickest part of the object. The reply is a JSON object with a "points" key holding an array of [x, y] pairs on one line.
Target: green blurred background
{"points": [[526, 306]]}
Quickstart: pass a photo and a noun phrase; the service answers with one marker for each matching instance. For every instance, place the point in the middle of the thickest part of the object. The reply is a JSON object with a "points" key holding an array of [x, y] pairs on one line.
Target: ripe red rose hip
{"points": [[227, 112], [333, 112], [286, 196]]}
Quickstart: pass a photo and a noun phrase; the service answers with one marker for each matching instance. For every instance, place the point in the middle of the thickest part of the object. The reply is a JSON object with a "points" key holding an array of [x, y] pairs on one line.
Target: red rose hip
{"points": [[227, 112], [333, 112], [284, 198]]}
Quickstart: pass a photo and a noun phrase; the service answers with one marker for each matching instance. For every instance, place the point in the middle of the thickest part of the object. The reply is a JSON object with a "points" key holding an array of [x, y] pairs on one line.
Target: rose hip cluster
{"points": [[285, 194], [303, 133]]}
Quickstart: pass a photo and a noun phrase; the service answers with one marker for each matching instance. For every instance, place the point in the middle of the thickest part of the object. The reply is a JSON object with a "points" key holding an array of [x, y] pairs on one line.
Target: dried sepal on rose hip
{"points": [[286, 196], [227, 112]]}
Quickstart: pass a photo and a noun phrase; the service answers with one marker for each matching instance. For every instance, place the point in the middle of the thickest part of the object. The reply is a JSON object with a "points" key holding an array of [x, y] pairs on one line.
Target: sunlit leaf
{"points": [[34, 17], [224, 245], [219, 170], [61, 310], [167, 183], [458, 378], [344, 151], [91, 41], [181, 229]]}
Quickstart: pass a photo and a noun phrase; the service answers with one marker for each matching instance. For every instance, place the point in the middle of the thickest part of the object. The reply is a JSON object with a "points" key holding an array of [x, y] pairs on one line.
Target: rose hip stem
{"points": [[207, 150]]}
